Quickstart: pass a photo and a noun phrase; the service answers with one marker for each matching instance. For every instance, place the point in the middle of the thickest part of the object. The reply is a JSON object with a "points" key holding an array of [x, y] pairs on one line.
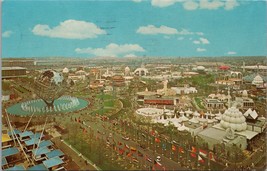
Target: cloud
{"points": [[190, 5], [201, 41], [230, 4], [180, 38], [151, 29], [112, 50], [130, 55], [164, 3], [7, 33], [204, 40], [69, 29], [137, 1], [211, 5], [231, 53], [201, 50], [200, 33], [198, 4]]}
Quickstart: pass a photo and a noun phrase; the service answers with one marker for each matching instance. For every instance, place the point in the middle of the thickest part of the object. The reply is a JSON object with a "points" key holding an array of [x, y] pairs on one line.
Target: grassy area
{"points": [[109, 103], [104, 96], [198, 101], [94, 152]]}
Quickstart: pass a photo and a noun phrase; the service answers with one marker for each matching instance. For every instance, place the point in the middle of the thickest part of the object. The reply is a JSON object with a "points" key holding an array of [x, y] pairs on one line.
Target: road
{"points": [[103, 129]]}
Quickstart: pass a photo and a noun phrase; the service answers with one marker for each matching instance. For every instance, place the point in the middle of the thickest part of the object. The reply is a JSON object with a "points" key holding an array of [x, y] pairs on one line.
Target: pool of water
{"points": [[17, 110]]}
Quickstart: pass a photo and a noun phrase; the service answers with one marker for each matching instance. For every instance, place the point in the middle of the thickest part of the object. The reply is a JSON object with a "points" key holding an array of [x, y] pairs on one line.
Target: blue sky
{"points": [[166, 28]]}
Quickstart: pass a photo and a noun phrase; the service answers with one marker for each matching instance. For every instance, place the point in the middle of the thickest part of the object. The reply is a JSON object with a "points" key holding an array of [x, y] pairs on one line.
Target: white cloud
{"points": [[137, 0], [204, 40], [231, 4], [131, 55], [198, 4], [180, 38], [231, 53], [201, 50], [69, 29], [166, 37], [211, 5], [200, 33], [7, 33], [190, 5], [164, 3], [151, 29], [201, 41], [185, 32], [112, 50]]}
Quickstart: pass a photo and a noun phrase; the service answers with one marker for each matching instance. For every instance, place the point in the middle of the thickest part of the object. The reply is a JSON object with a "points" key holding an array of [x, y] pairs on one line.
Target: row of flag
{"points": [[200, 154]]}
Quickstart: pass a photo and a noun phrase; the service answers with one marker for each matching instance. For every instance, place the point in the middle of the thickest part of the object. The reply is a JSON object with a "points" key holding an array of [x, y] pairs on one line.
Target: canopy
{"points": [[9, 151], [4, 162], [16, 168], [54, 153], [25, 134], [45, 143], [32, 141], [5, 138], [52, 162], [40, 151]]}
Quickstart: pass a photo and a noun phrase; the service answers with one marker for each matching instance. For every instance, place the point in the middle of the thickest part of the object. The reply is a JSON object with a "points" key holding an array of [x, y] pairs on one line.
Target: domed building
{"points": [[258, 81], [200, 68], [234, 119], [65, 70], [127, 71]]}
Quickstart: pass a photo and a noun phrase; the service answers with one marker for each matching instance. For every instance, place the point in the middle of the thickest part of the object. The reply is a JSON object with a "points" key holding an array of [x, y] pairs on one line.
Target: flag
{"points": [[181, 150], [129, 154], [152, 133], [193, 151], [157, 140], [203, 153], [126, 146], [133, 149], [84, 130], [211, 156], [121, 151], [173, 148], [200, 159]]}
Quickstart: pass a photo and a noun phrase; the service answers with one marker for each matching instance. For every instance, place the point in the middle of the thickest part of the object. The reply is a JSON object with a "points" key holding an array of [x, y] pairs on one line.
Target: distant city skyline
{"points": [[170, 28]]}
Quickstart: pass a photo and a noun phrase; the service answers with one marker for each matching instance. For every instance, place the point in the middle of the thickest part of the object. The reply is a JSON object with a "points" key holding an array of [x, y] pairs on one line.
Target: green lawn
{"points": [[109, 103], [104, 96], [198, 101]]}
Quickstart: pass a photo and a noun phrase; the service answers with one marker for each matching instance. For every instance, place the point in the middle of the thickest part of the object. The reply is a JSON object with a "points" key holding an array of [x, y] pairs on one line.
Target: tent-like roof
{"points": [[54, 153], [16, 168], [32, 141], [4, 161], [9, 151], [25, 134], [55, 161], [40, 151], [15, 130], [5, 138], [45, 143]]}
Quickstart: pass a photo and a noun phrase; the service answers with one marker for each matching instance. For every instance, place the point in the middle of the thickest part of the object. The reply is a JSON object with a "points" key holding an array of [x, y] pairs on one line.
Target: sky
{"points": [[156, 28]]}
